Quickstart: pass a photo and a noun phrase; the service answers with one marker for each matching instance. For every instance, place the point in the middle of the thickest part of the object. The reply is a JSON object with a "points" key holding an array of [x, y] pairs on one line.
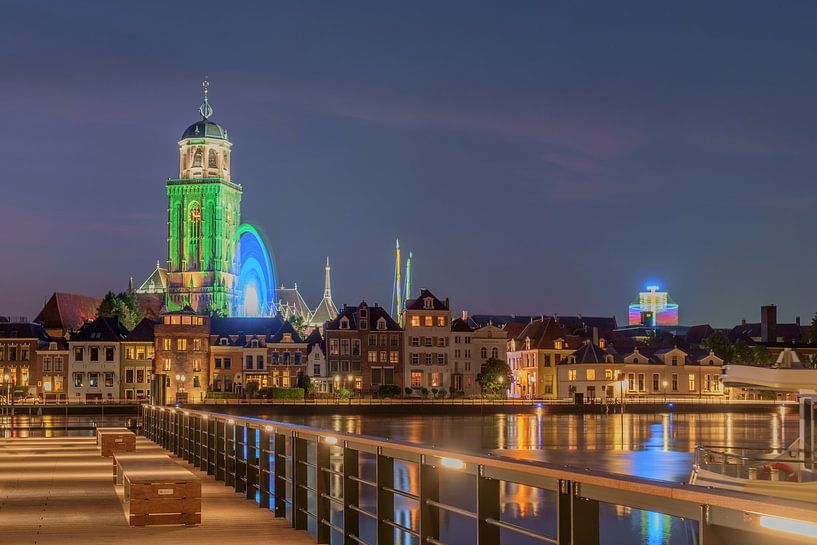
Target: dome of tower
{"points": [[205, 129]]}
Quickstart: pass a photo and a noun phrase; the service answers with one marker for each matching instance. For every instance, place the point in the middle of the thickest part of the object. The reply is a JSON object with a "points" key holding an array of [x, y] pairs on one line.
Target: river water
{"points": [[656, 446]]}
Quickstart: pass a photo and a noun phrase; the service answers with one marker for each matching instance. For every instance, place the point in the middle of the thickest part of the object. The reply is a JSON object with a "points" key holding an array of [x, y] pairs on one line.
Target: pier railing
{"points": [[315, 478]]}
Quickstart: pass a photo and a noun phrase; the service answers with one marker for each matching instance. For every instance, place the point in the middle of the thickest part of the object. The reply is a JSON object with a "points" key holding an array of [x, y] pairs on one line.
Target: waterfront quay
{"points": [[59, 491]]}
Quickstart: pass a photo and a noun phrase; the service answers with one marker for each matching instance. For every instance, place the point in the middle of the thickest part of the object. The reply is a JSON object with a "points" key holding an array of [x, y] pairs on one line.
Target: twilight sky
{"points": [[537, 158]]}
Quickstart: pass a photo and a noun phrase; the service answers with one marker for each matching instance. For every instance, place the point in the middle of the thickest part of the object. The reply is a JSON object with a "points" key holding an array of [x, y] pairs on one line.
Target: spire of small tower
{"points": [[130, 284], [327, 286], [205, 109]]}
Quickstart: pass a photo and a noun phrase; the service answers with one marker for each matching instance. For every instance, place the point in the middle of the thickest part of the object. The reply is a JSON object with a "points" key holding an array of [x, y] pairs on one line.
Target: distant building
{"points": [[326, 310], [316, 365], [66, 312], [94, 360], [156, 283], [599, 372], [267, 351], [427, 322], [470, 348], [653, 308], [365, 349], [138, 352], [291, 304], [533, 354], [19, 343], [182, 351], [51, 375]]}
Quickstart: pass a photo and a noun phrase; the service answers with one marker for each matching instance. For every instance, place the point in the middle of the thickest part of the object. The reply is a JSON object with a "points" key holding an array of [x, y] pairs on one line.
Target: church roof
{"points": [[291, 303], [67, 311], [325, 312], [156, 282], [205, 129]]}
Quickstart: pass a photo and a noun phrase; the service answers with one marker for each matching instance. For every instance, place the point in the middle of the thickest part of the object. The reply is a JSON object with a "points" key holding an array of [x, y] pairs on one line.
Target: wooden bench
{"points": [[100, 431], [111, 441], [159, 491], [121, 458]]}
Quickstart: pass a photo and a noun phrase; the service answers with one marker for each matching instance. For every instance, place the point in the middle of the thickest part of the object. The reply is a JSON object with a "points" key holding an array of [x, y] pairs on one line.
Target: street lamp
{"points": [[7, 377], [179, 383], [337, 383], [665, 391]]}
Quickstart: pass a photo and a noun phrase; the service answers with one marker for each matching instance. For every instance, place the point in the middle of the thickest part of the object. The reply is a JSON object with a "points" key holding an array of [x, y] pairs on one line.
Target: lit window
{"points": [[608, 374], [428, 321], [415, 321], [181, 344], [691, 382], [440, 321], [166, 344], [571, 374], [591, 374]]}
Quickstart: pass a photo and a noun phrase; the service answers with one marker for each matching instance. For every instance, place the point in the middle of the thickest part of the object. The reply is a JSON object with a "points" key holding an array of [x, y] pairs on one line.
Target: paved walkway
{"points": [[59, 491]]}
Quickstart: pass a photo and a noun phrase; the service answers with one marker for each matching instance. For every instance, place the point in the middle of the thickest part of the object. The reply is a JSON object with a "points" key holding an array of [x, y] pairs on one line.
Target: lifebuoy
{"points": [[766, 471]]}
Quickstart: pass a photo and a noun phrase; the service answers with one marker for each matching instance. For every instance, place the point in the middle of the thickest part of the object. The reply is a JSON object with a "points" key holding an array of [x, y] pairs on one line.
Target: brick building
{"points": [[427, 321], [365, 349], [182, 353], [19, 343]]}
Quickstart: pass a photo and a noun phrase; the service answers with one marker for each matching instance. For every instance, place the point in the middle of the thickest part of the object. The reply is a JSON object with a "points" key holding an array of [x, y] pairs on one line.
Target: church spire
{"points": [[327, 286], [205, 109]]}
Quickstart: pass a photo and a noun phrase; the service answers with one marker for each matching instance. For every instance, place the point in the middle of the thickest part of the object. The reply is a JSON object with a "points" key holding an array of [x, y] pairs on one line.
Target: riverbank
{"points": [[437, 407]]}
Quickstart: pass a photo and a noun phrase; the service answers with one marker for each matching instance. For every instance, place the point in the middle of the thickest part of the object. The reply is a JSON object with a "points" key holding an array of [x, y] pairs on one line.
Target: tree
{"points": [[761, 356], [305, 382], [812, 332], [720, 344], [250, 389], [494, 376], [742, 353], [298, 324], [124, 306]]}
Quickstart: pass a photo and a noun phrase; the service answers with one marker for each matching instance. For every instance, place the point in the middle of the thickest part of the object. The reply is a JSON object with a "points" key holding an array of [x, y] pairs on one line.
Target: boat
{"points": [[790, 472]]}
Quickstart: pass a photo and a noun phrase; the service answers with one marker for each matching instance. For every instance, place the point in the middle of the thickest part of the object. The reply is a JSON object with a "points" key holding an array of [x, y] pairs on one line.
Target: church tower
{"points": [[203, 215]]}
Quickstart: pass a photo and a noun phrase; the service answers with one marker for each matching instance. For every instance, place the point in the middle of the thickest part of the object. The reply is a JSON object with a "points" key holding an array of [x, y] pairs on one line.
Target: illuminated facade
{"points": [[214, 262], [653, 308]]}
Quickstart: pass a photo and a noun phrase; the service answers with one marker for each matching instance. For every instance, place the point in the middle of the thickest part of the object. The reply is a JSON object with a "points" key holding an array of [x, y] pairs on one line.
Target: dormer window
{"points": [[602, 343], [381, 324], [428, 303], [364, 313], [527, 344], [222, 341], [344, 323], [52, 346], [635, 360], [557, 344], [254, 343], [287, 337]]}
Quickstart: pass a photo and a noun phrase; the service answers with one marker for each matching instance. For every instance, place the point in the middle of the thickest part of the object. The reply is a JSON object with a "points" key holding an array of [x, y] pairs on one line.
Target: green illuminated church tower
{"points": [[203, 216]]}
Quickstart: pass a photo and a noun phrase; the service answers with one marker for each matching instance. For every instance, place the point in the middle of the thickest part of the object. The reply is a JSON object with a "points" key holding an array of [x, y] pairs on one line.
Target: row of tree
{"points": [[741, 353]]}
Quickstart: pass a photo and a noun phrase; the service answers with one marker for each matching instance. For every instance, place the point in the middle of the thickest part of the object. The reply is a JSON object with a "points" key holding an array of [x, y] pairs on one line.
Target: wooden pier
{"points": [[59, 491]]}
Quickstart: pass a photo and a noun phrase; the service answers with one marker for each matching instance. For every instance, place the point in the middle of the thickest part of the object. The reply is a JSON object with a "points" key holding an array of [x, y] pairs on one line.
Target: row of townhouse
{"points": [[548, 361], [367, 348]]}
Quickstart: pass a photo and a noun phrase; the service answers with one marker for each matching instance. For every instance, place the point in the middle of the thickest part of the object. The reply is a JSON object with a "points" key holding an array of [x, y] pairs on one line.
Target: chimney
{"points": [[797, 320], [768, 323], [743, 321], [595, 335], [465, 316]]}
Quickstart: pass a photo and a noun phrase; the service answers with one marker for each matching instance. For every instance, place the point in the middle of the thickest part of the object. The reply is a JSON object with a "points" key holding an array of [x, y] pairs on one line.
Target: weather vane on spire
{"points": [[205, 109]]}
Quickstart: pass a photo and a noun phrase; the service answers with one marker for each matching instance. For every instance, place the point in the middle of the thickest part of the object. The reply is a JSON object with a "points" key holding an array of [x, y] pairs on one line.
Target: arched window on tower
{"points": [[211, 159], [194, 231], [197, 158]]}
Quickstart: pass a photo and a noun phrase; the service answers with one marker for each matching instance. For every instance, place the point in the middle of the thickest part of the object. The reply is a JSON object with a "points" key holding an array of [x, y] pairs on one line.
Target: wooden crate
{"points": [[160, 491], [100, 431], [112, 441]]}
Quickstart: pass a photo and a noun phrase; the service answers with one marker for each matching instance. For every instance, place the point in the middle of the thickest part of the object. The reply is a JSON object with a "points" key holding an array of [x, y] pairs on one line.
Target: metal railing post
{"points": [[323, 487], [220, 458], [264, 471], [300, 477], [429, 490], [241, 455], [251, 463], [280, 465], [351, 494], [487, 508], [385, 499], [563, 513], [229, 454], [584, 518]]}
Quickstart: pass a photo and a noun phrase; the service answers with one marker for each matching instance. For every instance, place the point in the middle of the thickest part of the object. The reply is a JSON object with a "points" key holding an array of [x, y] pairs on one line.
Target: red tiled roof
{"points": [[68, 311]]}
